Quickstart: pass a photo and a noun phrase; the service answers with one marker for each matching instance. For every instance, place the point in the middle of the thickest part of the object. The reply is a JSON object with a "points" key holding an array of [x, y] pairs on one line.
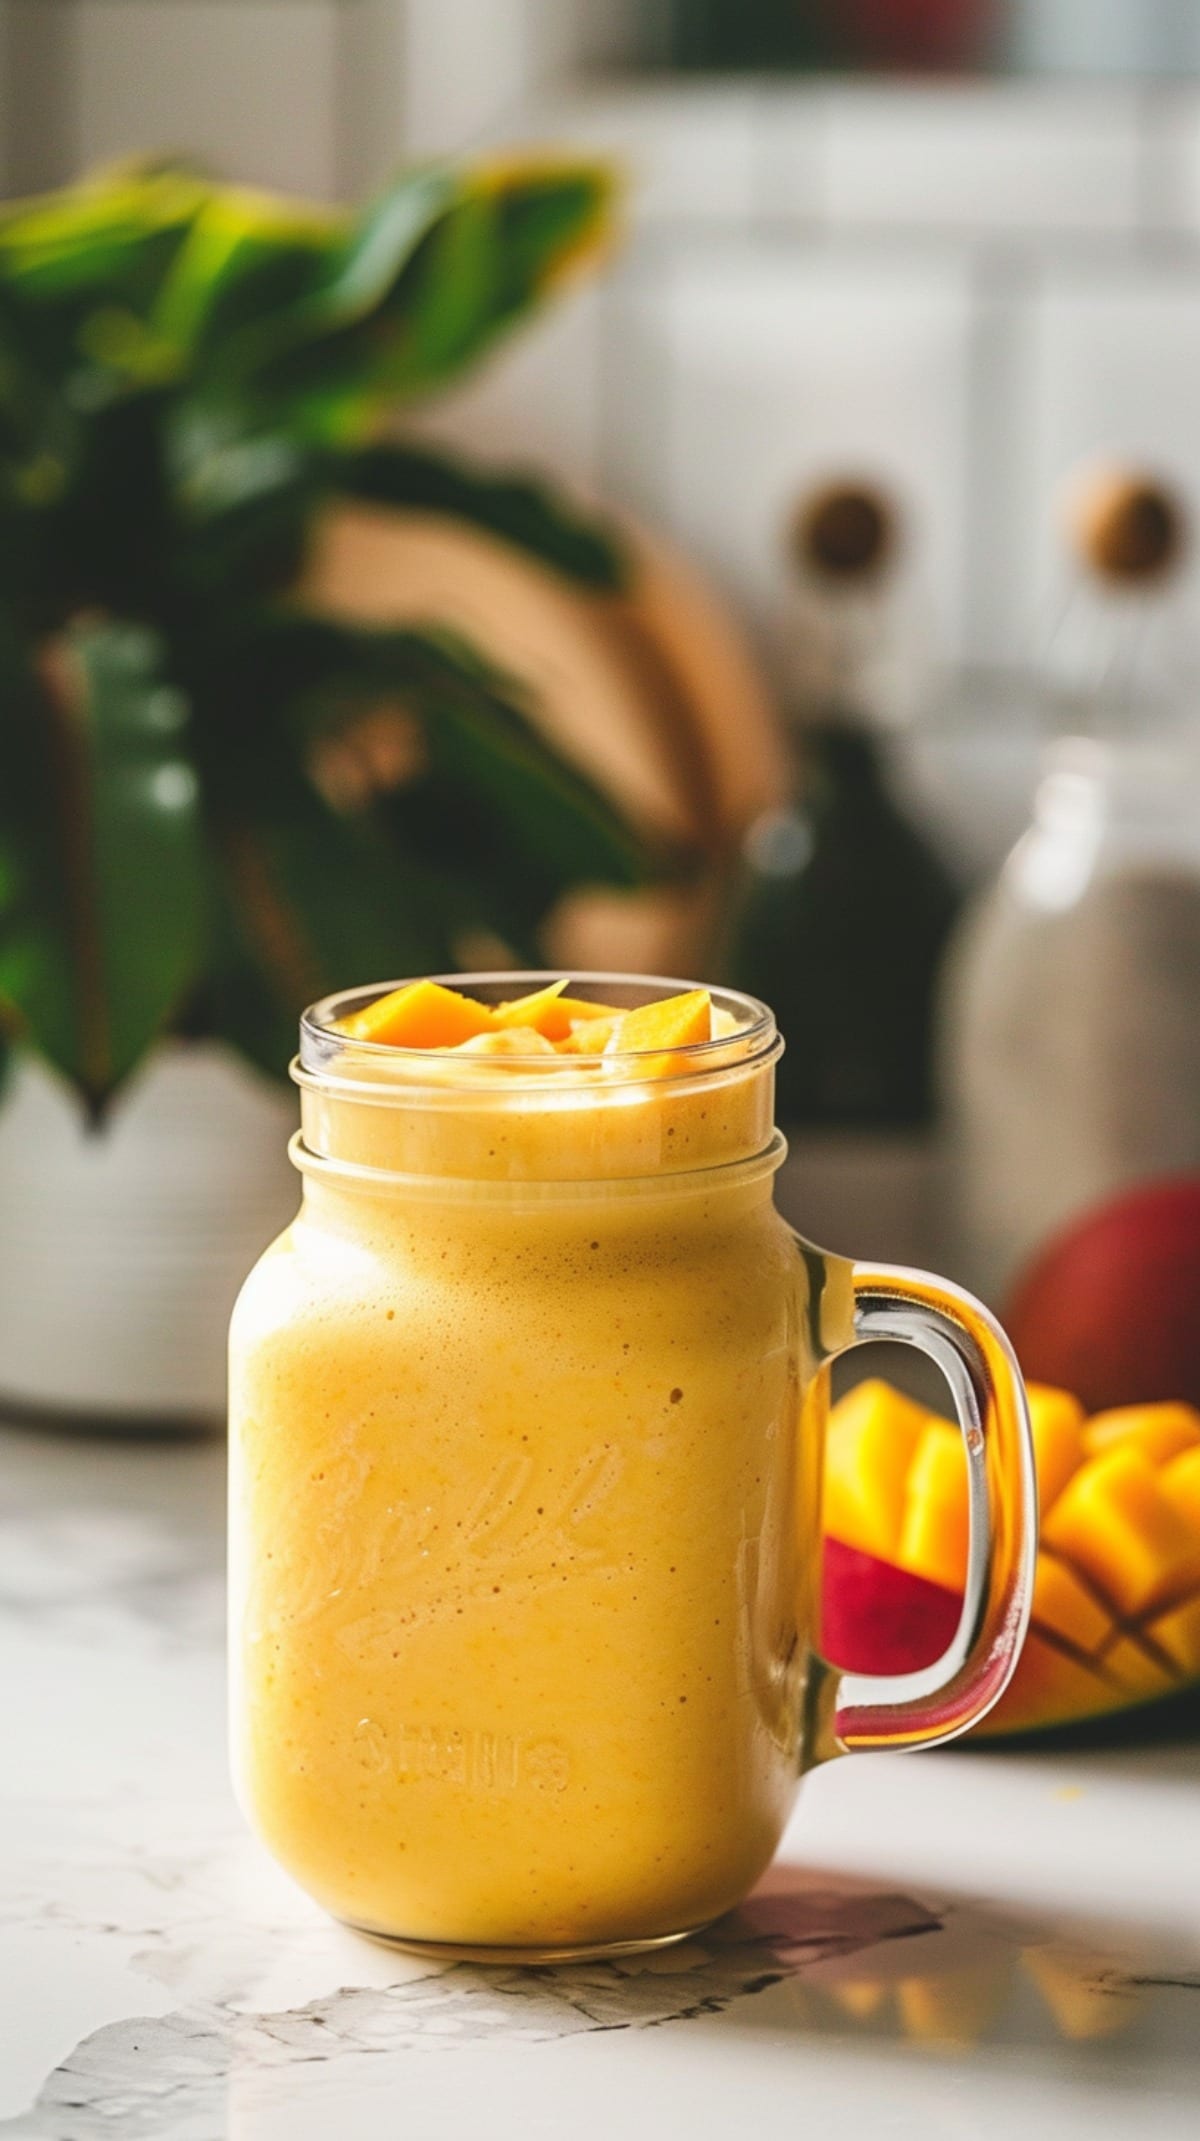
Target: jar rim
{"points": [[538, 1193], [324, 1051]]}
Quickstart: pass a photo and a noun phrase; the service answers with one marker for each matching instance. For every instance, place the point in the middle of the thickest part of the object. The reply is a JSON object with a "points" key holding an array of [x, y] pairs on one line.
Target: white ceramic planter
{"points": [[122, 1251]]}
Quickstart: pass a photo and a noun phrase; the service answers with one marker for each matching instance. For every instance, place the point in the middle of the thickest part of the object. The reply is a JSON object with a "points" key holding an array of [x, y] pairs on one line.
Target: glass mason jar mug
{"points": [[526, 1414]]}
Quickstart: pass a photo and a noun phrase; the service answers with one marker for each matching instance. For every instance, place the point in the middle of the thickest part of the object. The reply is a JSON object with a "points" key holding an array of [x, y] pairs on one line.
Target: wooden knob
{"points": [[1127, 526], [845, 531]]}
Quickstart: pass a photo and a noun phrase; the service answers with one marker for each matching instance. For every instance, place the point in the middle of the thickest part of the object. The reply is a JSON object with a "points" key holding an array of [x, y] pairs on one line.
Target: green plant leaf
{"points": [[248, 258], [358, 275], [524, 513], [309, 900], [102, 871], [113, 235], [478, 733], [426, 282], [243, 507], [484, 746], [486, 832]]}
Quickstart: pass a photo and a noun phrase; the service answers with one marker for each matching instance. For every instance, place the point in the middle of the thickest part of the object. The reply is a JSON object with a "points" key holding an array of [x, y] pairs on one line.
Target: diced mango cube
{"points": [[1159, 1431], [1064, 1606], [552, 1013], [577, 1008], [935, 1528], [1049, 1684], [1114, 1521], [1135, 1669], [873, 1432], [423, 1015], [1057, 1421], [1178, 1634], [673, 1022], [516, 1041], [1181, 1484], [540, 1009]]}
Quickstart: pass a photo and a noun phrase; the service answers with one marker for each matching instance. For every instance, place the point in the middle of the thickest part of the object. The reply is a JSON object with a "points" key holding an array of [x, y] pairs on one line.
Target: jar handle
{"points": [[868, 1711]]}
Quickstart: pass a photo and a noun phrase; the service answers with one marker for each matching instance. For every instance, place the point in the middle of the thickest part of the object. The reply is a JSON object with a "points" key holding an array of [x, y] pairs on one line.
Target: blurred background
{"points": [[884, 390]]}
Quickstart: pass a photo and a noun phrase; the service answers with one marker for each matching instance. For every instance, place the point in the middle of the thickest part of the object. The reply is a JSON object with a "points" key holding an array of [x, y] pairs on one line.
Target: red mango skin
{"points": [[876, 1618], [1111, 1307]]}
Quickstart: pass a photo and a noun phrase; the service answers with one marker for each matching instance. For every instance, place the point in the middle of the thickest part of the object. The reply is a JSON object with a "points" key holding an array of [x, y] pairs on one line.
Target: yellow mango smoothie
{"points": [[524, 1485]]}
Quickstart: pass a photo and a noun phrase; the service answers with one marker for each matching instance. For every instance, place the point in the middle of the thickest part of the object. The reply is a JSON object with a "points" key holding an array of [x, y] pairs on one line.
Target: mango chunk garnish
{"points": [[423, 1015], [935, 1528], [540, 1005], [426, 1014], [1056, 1418], [873, 1433], [552, 1013], [1116, 1524], [577, 1008], [514, 1041], [1063, 1606], [1159, 1431], [674, 1022]]}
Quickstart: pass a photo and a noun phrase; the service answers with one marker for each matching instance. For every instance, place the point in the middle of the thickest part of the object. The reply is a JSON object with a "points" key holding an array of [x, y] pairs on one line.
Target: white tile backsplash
{"points": [[536, 400], [689, 154], [248, 87], [1173, 160], [469, 64], [792, 363], [1005, 158], [963, 291], [1111, 373]]}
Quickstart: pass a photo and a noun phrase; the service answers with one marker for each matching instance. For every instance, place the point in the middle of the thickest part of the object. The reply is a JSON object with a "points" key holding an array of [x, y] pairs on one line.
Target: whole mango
{"points": [[1110, 1309]]}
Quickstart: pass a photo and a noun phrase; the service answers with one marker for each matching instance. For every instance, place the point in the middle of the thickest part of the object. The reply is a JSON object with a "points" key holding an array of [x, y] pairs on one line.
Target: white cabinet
{"points": [[776, 365], [247, 86]]}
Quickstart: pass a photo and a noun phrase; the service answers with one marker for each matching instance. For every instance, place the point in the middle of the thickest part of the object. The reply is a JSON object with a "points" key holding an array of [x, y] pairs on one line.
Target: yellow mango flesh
{"points": [[935, 1528], [1136, 1670], [1177, 1634], [1160, 1432], [1181, 1485], [1116, 1603], [872, 1436], [552, 1013], [423, 1015], [674, 1022], [1063, 1606], [1050, 1687], [541, 1010], [1116, 1524], [1056, 1418]]}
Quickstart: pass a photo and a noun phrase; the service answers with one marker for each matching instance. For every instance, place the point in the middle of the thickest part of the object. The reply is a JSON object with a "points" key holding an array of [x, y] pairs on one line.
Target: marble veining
{"points": [[164, 1982]]}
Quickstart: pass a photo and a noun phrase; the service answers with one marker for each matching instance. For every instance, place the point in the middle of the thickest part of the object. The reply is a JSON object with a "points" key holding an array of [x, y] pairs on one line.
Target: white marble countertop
{"points": [[952, 1945]]}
